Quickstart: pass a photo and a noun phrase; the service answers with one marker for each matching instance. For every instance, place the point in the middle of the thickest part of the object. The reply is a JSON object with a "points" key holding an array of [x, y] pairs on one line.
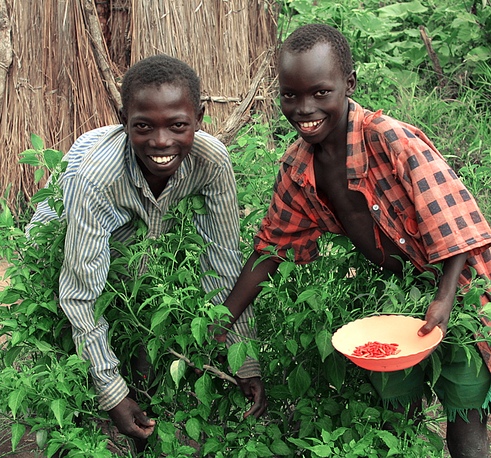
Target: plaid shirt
{"points": [[413, 196]]}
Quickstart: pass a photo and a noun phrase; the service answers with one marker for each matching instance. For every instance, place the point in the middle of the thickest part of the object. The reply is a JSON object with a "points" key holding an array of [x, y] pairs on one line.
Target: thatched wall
{"points": [[68, 57]]}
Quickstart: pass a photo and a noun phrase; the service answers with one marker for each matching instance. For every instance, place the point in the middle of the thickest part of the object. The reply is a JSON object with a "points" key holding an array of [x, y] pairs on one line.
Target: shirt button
{"points": [[375, 207], [402, 241]]}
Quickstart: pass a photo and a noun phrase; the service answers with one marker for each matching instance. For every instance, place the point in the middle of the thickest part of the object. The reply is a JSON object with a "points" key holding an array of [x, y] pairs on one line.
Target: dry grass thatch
{"points": [[66, 61]]}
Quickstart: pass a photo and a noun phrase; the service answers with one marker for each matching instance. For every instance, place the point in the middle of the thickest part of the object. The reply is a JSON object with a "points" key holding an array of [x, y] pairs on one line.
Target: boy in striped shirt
{"points": [[139, 170]]}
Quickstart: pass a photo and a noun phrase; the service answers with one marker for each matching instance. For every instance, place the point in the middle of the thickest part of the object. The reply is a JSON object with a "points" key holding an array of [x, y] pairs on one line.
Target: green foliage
{"points": [[319, 403], [387, 46]]}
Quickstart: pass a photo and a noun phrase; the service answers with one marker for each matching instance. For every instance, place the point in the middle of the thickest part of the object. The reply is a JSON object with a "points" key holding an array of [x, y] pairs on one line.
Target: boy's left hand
{"points": [[253, 389], [438, 314]]}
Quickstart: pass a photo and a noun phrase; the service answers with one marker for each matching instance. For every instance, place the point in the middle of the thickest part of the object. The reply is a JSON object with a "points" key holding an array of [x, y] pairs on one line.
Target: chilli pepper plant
{"points": [[319, 403]]}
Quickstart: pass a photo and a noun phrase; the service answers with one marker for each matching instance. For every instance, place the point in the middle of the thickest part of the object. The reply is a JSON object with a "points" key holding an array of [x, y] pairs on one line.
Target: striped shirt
{"points": [[413, 196], [104, 191]]}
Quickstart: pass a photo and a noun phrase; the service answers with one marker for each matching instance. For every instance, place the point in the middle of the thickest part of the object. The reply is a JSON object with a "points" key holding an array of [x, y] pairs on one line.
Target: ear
{"points": [[122, 118], [351, 84], [199, 117]]}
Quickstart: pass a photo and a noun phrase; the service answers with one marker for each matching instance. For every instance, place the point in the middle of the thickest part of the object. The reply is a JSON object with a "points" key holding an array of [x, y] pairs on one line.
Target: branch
{"points": [[239, 117], [206, 367], [433, 56], [100, 52], [6, 53]]}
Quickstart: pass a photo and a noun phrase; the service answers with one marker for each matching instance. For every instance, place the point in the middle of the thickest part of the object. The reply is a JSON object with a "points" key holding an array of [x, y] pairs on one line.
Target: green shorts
{"points": [[461, 386]]}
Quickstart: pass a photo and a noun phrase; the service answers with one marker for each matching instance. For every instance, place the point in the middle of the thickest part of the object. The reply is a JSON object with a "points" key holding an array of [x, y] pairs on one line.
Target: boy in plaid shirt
{"points": [[383, 184]]}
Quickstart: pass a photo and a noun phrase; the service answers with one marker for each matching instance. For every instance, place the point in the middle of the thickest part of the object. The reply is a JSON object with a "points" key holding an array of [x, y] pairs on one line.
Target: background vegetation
{"points": [[319, 404]]}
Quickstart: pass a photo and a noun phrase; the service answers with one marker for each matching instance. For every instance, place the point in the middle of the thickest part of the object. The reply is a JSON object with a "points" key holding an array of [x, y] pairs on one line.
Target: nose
{"points": [[161, 138], [305, 106]]}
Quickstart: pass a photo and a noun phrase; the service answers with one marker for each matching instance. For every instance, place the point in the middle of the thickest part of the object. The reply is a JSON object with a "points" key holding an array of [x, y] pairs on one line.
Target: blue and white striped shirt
{"points": [[104, 191]]}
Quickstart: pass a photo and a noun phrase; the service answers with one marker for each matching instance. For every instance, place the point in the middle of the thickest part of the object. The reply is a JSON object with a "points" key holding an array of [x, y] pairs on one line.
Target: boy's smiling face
{"points": [[160, 123], [313, 93]]}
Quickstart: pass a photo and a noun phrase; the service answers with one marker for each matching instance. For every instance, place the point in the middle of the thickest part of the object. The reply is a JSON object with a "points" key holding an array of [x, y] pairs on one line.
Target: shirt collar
{"points": [[301, 154]]}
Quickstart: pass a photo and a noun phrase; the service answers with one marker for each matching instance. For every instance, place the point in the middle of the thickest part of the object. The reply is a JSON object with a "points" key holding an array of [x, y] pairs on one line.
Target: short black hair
{"points": [[157, 70], [306, 37]]}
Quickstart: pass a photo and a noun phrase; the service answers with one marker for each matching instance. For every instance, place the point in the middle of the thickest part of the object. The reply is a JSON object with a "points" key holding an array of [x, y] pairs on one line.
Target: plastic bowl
{"points": [[399, 329]]}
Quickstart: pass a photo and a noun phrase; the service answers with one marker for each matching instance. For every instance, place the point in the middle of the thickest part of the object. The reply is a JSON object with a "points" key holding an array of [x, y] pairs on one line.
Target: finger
{"points": [[428, 327], [142, 420], [257, 409], [141, 432]]}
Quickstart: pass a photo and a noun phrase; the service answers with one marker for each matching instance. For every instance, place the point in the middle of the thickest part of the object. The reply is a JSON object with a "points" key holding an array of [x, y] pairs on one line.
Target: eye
{"points": [[141, 126], [322, 93], [180, 126], [287, 95]]}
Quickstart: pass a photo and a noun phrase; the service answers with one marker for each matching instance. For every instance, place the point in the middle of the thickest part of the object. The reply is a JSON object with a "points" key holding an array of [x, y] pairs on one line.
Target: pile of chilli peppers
{"points": [[376, 350]]}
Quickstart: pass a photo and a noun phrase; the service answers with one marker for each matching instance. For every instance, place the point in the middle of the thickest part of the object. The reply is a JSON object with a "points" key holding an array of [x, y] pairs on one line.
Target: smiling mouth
{"points": [[309, 126], [162, 159]]}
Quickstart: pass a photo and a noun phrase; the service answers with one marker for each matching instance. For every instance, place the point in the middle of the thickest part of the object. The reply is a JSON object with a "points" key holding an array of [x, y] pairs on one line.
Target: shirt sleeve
{"points": [[448, 219], [290, 222], [90, 222], [219, 227]]}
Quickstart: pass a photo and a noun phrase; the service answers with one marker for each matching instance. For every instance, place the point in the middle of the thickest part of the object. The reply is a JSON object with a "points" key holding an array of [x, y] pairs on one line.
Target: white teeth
{"points": [[309, 124], [162, 159]]}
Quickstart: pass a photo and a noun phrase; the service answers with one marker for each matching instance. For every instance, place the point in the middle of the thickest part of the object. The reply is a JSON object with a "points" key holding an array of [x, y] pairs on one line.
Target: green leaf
{"points": [[52, 158], [299, 382], [42, 346], [279, 448], [7, 296], [262, 449], [11, 355], [101, 304], [305, 340], [321, 450], [399, 9], [177, 370], [202, 388], [336, 370], [193, 428], [324, 345], [212, 445], [390, 440], [41, 438], [58, 406], [15, 400], [292, 346], [42, 195], [18, 431], [436, 366], [37, 142], [6, 219], [304, 296], [38, 175], [29, 157], [199, 329], [286, 268], [159, 316], [236, 356]]}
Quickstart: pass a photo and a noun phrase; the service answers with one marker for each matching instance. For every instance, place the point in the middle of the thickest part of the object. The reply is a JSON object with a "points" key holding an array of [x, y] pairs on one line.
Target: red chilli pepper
{"points": [[376, 350]]}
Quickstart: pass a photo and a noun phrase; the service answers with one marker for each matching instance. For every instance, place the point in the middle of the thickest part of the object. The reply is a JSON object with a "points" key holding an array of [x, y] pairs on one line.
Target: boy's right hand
{"points": [[131, 420]]}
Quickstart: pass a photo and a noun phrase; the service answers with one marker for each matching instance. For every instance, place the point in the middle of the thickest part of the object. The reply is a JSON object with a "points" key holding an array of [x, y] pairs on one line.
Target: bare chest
{"points": [[352, 212]]}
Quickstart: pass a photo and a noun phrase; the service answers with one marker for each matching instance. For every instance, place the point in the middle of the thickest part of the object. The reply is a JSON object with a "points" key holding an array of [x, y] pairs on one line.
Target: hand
{"points": [[131, 420], [438, 314], [253, 389], [219, 332]]}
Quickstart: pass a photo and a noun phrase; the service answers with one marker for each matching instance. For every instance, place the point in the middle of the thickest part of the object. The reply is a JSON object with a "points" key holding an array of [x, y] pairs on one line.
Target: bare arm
{"points": [[246, 289], [438, 312]]}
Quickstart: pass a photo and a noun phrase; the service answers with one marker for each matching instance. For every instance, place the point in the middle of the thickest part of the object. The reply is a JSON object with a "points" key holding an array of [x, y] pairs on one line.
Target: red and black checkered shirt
{"points": [[413, 195]]}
